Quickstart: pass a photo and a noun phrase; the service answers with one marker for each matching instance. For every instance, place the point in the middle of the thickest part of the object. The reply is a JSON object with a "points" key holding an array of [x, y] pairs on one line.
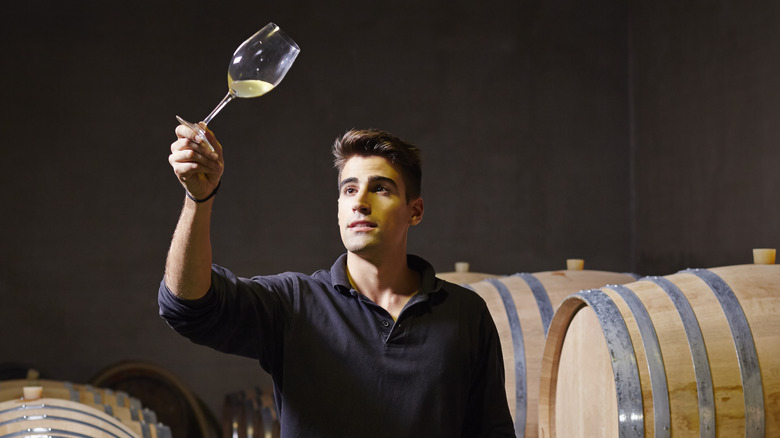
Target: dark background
{"points": [[640, 136]]}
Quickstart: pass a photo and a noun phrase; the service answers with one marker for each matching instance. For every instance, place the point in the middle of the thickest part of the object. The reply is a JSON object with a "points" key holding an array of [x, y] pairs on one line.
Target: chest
{"points": [[357, 335]]}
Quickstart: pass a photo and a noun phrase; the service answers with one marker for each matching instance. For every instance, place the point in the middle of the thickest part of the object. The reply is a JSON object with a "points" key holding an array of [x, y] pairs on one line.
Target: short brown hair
{"points": [[373, 142]]}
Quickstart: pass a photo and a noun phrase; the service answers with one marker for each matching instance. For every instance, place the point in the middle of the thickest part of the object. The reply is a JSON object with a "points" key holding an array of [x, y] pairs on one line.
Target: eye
{"points": [[349, 190]]}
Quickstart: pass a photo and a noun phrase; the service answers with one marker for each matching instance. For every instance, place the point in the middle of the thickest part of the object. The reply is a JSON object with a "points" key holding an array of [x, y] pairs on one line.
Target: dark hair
{"points": [[405, 157]]}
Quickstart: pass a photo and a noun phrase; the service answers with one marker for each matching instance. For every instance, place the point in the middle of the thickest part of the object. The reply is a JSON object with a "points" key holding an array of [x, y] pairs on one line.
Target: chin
{"points": [[357, 247], [357, 243]]}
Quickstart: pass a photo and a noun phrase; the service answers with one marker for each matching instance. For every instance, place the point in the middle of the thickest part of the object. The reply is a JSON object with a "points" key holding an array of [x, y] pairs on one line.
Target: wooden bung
{"points": [[764, 256], [461, 266], [463, 275], [32, 392]]}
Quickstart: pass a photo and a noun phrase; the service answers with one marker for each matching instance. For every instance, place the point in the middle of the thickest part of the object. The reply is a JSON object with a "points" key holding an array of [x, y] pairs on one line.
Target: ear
{"points": [[417, 211]]}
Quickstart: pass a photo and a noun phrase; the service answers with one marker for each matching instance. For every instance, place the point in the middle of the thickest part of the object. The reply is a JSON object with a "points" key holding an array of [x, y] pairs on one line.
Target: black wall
{"points": [[706, 126], [639, 136]]}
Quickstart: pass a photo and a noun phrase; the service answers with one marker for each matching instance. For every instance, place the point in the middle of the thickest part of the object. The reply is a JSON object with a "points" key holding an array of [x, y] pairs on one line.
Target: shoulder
{"points": [[442, 290], [462, 293]]}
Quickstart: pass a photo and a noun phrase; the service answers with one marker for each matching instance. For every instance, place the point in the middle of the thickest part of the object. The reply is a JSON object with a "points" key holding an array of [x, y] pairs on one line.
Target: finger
{"points": [[180, 144], [183, 144], [183, 131], [185, 170], [189, 156], [195, 137]]}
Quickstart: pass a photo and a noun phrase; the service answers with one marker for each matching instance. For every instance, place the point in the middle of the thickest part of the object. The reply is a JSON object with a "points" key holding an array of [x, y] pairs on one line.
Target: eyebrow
{"points": [[371, 179]]}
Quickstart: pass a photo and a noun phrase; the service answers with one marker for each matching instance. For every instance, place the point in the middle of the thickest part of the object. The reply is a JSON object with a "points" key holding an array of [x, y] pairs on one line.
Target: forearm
{"points": [[188, 267]]}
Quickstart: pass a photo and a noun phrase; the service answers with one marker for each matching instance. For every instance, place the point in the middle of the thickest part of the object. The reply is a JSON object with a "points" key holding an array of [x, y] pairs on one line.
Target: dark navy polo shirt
{"points": [[342, 367]]}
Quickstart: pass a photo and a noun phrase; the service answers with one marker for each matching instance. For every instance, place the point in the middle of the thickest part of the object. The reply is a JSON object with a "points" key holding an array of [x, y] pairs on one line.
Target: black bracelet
{"points": [[207, 197]]}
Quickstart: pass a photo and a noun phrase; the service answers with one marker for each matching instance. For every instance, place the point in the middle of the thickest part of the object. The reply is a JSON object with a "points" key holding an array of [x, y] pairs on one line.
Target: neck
{"points": [[379, 280]]}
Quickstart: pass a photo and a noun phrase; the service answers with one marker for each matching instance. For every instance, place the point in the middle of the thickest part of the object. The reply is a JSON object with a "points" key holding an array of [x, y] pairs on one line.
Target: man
{"points": [[377, 345]]}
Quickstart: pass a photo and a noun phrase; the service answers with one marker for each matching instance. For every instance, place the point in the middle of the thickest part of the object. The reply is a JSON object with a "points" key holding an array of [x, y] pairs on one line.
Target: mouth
{"points": [[361, 225]]}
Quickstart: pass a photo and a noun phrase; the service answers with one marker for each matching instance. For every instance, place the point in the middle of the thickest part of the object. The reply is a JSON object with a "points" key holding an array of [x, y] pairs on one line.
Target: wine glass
{"points": [[256, 67]]}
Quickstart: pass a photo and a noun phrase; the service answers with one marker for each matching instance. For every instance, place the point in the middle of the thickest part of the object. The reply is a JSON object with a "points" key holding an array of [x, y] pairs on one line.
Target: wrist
{"points": [[200, 201]]}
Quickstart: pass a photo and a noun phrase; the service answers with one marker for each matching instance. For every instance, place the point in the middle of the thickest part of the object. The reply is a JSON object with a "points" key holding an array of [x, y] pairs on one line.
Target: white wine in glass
{"points": [[256, 67]]}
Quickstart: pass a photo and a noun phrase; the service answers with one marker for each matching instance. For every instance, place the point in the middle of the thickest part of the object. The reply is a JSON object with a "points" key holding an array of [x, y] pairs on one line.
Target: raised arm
{"points": [[188, 267]]}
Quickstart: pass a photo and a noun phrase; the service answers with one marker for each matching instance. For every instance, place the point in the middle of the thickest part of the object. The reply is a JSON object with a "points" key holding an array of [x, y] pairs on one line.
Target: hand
{"points": [[198, 169]]}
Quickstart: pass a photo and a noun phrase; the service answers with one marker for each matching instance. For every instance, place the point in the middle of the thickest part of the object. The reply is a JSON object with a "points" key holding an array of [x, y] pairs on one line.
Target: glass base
{"points": [[199, 130]]}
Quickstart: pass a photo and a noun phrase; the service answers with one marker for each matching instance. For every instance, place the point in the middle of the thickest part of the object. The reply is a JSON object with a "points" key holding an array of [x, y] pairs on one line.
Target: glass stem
{"points": [[230, 96]]}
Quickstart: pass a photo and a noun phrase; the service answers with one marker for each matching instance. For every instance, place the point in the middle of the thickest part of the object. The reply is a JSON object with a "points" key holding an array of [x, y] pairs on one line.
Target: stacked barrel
{"points": [[694, 353], [250, 414], [163, 392], [522, 306], [601, 354], [54, 408]]}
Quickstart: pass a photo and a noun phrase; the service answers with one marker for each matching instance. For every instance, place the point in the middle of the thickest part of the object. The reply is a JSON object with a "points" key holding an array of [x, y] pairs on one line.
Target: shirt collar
{"points": [[428, 281]]}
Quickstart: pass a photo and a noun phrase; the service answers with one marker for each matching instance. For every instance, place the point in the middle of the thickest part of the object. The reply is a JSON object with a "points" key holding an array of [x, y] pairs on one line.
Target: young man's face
{"points": [[374, 214]]}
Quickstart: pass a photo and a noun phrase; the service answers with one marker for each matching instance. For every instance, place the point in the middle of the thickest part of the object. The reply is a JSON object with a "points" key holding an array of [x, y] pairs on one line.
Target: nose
{"points": [[360, 203]]}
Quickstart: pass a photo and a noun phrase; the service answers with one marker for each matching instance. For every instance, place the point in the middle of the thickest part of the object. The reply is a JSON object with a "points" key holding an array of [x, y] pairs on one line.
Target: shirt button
{"points": [[385, 324]]}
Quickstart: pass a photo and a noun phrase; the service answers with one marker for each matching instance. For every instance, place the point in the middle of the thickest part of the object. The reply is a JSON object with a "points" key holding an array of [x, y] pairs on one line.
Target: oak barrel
{"points": [[164, 393], [250, 414], [82, 393], [116, 404], [522, 306], [58, 417], [690, 354]]}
